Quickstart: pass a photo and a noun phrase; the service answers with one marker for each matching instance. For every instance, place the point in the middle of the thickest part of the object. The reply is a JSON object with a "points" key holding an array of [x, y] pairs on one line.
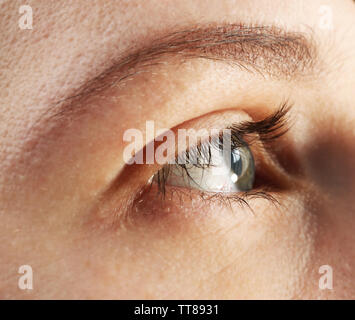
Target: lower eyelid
{"points": [[152, 205]]}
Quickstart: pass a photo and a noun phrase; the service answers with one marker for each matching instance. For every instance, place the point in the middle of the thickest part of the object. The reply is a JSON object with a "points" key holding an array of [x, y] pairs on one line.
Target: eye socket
{"points": [[212, 167], [206, 172]]}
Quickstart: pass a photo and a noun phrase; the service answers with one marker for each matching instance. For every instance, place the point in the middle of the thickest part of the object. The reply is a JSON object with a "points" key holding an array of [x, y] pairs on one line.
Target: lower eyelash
{"points": [[184, 196], [243, 198]]}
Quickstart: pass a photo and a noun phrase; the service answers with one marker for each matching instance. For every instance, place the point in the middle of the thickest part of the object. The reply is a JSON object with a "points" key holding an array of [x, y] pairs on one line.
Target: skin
{"points": [[57, 215]]}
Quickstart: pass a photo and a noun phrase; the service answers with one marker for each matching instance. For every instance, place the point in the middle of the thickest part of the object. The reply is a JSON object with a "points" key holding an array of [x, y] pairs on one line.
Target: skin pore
{"points": [[71, 87]]}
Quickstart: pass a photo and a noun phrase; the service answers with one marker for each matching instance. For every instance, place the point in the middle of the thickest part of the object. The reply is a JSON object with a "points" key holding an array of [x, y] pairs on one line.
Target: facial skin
{"points": [[65, 188]]}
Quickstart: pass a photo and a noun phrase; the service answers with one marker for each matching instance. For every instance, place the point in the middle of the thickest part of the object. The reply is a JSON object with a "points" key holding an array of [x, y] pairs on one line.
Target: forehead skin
{"points": [[72, 43]]}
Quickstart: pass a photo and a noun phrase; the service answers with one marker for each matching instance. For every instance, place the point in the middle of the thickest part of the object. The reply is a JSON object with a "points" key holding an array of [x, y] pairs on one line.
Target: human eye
{"points": [[234, 164], [210, 167]]}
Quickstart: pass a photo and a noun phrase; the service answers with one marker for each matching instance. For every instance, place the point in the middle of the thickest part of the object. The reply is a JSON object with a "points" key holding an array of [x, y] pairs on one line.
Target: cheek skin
{"points": [[205, 250]]}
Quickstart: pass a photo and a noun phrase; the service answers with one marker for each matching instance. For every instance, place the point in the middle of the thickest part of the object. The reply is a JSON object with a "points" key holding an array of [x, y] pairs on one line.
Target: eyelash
{"points": [[248, 133]]}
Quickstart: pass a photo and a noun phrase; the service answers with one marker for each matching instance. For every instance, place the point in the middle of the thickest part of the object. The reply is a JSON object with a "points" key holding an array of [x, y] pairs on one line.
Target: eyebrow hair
{"points": [[265, 50]]}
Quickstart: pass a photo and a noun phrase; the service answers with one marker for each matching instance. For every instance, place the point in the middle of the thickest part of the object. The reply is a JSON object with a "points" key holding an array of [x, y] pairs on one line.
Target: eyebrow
{"points": [[266, 50]]}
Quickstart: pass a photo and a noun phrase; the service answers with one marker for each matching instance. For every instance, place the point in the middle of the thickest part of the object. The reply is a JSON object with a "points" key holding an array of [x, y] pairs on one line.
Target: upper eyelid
{"points": [[265, 130], [269, 128]]}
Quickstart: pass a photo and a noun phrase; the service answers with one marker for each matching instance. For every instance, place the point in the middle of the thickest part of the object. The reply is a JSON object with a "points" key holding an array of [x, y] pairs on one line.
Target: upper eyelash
{"points": [[265, 131], [268, 129]]}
